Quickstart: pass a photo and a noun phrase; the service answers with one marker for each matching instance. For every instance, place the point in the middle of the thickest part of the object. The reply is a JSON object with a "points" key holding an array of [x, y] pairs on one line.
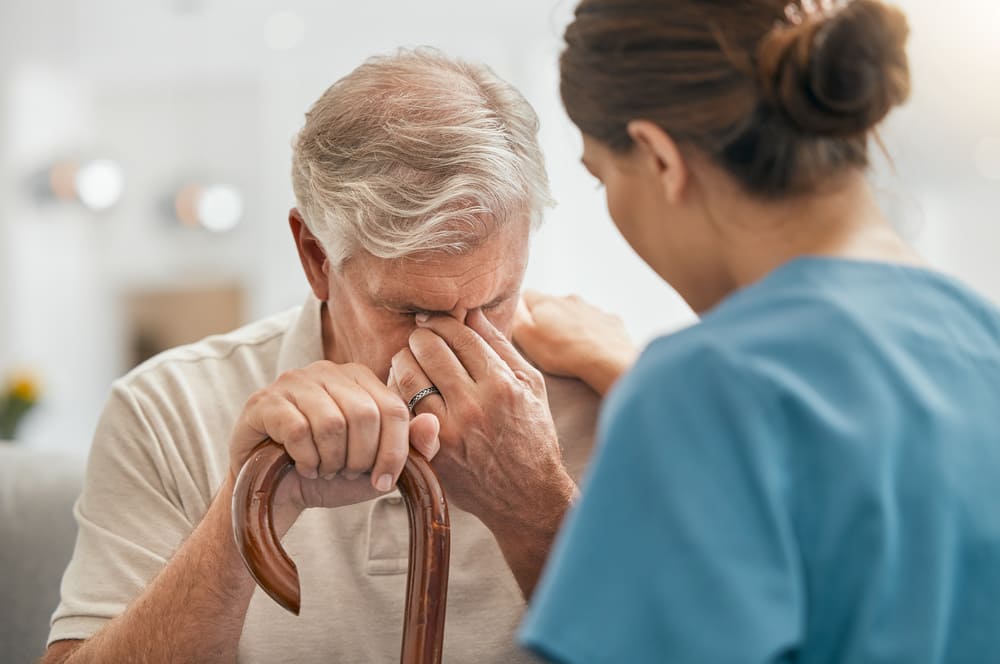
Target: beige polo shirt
{"points": [[159, 455]]}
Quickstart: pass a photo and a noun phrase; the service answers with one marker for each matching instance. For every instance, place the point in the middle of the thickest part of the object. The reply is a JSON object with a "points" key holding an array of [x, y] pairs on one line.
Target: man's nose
{"points": [[460, 314]]}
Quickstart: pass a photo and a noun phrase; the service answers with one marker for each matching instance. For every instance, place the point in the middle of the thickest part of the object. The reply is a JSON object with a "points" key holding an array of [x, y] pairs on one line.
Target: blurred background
{"points": [[144, 170]]}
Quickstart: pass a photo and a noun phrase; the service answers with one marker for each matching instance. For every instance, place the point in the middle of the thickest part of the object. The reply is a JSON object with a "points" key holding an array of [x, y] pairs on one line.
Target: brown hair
{"points": [[780, 95]]}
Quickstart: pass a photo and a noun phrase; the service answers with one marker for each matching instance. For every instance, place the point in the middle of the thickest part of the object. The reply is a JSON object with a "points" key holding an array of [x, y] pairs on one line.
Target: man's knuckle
{"points": [[297, 428], [332, 426], [507, 388], [407, 378], [533, 377], [464, 340], [356, 369], [319, 366], [292, 376], [365, 414], [395, 410], [394, 457], [257, 398]]}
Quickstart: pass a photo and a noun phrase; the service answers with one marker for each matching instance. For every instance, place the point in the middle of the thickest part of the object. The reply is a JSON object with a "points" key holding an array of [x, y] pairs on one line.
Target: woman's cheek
{"points": [[621, 211]]}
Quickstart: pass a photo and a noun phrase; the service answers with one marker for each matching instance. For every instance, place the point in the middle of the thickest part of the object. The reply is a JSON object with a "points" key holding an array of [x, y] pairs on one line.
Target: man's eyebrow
{"points": [[394, 303], [501, 298], [403, 305]]}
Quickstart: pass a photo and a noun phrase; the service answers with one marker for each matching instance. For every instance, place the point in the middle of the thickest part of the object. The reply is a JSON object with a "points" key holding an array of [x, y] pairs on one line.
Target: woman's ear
{"points": [[311, 254], [659, 152]]}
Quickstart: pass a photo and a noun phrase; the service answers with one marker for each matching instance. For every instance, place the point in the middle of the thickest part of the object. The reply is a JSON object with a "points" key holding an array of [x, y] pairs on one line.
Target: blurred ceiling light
{"points": [[217, 208], [284, 31], [97, 184], [988, 157]]}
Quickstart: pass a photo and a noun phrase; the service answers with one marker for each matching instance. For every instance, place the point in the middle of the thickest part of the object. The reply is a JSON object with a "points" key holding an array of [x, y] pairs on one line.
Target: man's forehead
{"points": [[440, 285]]}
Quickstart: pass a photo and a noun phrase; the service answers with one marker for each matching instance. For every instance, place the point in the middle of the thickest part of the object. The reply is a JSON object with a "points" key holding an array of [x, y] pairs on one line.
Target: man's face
{"points": [[373, 301]]}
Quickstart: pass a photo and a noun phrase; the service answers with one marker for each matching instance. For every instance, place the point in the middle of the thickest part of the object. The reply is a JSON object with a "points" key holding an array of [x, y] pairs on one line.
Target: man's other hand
{"points": [[500, 457], [348, 434]]}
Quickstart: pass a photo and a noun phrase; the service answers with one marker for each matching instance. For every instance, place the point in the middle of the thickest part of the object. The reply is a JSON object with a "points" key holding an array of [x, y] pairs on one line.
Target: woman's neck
{"points": [[844, 222]]}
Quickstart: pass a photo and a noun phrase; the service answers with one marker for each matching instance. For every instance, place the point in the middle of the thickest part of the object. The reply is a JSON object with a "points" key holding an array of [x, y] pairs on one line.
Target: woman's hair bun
{"points": [[837, 73]]}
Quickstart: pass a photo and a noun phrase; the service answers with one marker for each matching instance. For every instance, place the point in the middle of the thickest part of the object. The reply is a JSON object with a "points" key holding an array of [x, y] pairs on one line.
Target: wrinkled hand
{"points": [[568, 337], [348, 434], [500, 457]]}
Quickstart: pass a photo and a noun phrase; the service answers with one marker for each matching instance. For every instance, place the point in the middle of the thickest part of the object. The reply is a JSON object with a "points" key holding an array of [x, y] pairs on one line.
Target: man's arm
{"points": [[193, 611], [526, 537]]}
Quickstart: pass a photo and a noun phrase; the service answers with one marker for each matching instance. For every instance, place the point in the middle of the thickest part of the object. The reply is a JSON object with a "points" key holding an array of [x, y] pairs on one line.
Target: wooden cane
{"points": [[430, 544]]}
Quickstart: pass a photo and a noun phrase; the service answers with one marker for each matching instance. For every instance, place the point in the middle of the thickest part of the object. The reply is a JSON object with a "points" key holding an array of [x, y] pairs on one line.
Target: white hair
{"points": [[416, 152]]}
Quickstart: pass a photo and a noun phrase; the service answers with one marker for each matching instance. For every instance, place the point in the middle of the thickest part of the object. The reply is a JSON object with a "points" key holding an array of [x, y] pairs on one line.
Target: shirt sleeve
{"points": [[681, 548], [128, 517]]}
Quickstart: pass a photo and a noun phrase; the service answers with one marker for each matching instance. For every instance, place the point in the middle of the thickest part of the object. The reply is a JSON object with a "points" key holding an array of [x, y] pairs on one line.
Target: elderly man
{"points": [[418, 180]]}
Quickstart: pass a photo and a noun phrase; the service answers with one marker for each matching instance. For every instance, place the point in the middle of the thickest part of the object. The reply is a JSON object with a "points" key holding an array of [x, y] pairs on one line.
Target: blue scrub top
{"points": [[811, 474]]}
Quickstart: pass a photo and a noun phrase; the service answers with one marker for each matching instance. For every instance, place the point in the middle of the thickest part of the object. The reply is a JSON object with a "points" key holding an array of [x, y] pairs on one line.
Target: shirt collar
{"points": [[303, 343]]}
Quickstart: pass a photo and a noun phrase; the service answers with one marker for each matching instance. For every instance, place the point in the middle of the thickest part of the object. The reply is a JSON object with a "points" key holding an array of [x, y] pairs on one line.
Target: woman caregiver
{"points": [[812, 472]]}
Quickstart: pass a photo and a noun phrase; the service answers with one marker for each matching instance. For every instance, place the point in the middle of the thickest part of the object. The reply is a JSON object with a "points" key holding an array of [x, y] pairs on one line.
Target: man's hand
{"points": [[568, 337], [500, 457], [338, 423]]}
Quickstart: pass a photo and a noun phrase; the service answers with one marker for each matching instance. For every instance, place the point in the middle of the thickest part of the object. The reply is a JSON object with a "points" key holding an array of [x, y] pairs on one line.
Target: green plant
{"points": [[18, 397]]}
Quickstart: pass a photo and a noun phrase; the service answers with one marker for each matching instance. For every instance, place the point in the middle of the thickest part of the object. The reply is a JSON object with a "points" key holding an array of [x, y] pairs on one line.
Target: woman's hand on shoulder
{"points": [[566, 336]]}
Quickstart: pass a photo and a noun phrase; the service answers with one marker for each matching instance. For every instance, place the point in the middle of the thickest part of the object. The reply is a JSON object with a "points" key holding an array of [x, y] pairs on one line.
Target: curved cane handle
{"points": [[253, 525], [430, 544]]}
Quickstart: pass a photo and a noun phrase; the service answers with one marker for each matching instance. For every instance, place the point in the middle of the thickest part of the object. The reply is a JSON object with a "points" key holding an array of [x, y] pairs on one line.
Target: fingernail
{"points": [[422, 318], [312, 474], [350, 476], [384, 483], [329, 477]]}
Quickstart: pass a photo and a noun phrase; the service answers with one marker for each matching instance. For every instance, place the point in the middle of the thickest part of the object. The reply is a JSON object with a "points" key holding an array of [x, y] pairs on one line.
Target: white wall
{"points": [[184, 88]]}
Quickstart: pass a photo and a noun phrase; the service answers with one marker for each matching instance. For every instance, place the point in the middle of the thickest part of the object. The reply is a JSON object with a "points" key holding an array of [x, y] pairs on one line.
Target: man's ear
{"points": [[662, 155], [311, 254]]}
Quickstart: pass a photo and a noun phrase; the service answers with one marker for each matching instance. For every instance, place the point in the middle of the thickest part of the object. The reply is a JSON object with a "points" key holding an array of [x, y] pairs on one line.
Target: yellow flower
{"points": [[24, 386]]}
